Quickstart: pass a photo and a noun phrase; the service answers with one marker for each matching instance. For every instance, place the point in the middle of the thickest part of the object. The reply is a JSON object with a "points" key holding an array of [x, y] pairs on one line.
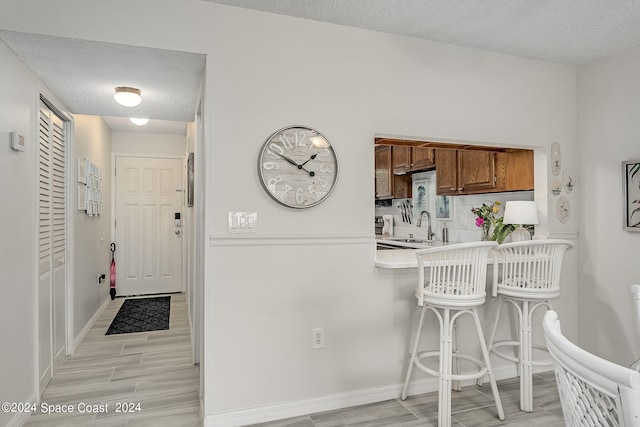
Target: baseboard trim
{"points": [[285, 410], [21, 417], [78, 339]]}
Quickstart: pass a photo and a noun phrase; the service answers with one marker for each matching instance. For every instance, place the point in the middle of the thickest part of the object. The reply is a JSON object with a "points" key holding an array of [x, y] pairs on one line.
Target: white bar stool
{"points": [[455, 285], [527, 276]]}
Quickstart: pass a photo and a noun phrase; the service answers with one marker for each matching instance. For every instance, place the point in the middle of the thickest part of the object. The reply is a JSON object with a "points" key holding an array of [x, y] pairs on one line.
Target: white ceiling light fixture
{"points": [[127, 96], [138, 121]]}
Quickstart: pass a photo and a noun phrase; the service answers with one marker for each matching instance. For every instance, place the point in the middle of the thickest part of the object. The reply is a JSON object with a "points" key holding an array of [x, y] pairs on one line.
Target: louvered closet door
{"points": [[52, 243]]}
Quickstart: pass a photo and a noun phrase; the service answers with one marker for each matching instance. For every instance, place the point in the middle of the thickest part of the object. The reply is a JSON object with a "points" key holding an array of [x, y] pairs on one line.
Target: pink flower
{"points": [[479, 221]]}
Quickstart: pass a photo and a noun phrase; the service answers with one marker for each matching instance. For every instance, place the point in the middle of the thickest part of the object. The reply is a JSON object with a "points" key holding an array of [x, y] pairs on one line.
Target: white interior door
{"points": [[148, 242], [52, 243]]}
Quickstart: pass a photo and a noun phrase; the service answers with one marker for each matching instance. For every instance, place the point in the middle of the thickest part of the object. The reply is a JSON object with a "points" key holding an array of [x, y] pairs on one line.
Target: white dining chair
{"points": [[526, 276], [593, 391], [451, 283]]}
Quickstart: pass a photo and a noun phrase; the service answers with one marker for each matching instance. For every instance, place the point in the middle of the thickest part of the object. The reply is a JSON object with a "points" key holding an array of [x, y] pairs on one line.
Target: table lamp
{"points": [[519, 213]]}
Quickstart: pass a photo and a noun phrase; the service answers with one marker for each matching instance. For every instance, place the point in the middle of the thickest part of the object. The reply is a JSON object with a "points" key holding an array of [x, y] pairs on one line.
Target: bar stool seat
{"points": [[526, 276], [451, 283]]}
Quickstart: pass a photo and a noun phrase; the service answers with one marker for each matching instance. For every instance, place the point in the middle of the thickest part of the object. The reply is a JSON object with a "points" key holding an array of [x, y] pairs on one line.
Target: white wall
{"points": [[314, 268], [148, 144], [92, 234], [349, 84], [609, 107], [18, 92]]}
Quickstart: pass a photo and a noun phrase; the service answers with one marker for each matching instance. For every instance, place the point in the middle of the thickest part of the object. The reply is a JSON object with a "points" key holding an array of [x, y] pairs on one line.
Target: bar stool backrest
{"points": [[593, 391], [454, 275], [530, 268]]}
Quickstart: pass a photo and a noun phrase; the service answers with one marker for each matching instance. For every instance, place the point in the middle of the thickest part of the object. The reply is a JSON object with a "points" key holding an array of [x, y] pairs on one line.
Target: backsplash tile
{"points": [[462, 228]]}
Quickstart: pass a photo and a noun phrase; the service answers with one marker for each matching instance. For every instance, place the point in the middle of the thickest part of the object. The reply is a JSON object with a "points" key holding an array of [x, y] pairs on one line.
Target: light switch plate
{"points": [[242, 222]]}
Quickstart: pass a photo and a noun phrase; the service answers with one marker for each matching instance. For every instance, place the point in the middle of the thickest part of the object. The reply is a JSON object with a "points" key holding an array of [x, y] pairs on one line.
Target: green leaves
{"points": [[500, 230]]}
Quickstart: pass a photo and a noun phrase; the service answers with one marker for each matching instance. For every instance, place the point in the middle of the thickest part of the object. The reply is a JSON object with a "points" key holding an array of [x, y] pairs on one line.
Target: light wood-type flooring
{"points": [[472, 407], [153, 369]]}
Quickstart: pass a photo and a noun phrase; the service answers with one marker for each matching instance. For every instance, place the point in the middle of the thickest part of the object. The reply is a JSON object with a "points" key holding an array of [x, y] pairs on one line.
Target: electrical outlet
{"points": [[317, 334]]}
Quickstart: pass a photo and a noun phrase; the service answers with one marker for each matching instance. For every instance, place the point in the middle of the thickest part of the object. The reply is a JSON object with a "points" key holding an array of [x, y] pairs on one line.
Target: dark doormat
{"points": [[141, 315]]}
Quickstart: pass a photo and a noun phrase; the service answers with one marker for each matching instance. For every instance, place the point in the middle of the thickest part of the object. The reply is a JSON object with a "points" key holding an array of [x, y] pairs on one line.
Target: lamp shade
{"points": [[520, 212], [127, 96]]}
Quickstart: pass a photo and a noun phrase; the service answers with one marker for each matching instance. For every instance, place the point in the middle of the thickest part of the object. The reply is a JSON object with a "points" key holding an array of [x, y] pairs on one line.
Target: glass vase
{"points": [[485, 233]]}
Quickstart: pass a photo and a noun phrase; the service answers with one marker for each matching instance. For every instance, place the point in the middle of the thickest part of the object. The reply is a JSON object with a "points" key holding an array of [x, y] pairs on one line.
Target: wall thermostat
{"points": [[17, 141]]}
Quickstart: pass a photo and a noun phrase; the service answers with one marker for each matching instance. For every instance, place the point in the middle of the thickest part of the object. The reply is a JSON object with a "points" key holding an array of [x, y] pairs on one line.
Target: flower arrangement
{"points": [[486, 214], [492, 226]]}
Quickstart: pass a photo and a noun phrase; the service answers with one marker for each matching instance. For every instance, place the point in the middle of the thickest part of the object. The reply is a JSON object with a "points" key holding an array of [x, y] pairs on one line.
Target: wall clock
{"points": [[298, 167]]}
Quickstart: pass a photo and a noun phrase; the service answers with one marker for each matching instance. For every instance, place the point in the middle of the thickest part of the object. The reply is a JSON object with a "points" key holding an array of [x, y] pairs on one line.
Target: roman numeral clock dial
{"points": [[298, 167]]}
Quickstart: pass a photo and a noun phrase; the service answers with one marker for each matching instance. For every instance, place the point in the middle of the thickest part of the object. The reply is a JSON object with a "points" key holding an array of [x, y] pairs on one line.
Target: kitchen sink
{"points": [[410, 240]]}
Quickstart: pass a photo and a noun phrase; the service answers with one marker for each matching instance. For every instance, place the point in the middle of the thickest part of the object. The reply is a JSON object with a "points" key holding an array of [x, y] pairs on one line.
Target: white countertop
{"points": [[396, 258], [412, 244], [406, 258], [402, 258]]}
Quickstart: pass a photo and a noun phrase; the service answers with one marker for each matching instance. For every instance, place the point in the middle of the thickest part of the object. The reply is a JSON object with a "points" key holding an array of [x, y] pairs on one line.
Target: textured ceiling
{"points": [[83, 75], [564, 31]]}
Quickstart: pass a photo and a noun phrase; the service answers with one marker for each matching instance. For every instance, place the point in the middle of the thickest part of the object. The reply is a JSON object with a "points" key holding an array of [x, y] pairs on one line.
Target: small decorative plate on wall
{"points": [[555, 187], [563, 209], [567, 181], [556, 160]]}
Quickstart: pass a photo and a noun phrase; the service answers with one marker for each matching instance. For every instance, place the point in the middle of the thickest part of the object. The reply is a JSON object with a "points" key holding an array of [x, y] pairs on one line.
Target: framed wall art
{"points": [[82, 170], [420, 190], [190, 171], [631, 195], [444, 208]]}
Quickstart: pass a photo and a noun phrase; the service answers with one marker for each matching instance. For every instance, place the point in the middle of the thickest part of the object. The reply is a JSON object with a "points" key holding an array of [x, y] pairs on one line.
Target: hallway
{"points": [[152, 369]]}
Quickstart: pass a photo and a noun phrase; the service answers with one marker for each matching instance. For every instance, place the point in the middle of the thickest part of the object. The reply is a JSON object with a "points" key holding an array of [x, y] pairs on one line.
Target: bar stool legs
{"points": [[525, 345], [414, 353], [448, 357]]}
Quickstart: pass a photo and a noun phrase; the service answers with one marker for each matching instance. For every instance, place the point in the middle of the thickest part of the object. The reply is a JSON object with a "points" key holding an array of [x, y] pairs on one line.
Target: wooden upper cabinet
{"points": [[422, 158], [412, 159], [446, 171], [519, 170], [401, 156], [478, 171], [384, 174], [389, 186]]}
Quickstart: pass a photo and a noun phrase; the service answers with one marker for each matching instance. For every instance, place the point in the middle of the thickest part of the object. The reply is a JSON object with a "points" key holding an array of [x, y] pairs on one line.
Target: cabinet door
{"points": [[384, 176], [446, 171], [477, 171], [401, 156], [519, 170], [422, 158]]}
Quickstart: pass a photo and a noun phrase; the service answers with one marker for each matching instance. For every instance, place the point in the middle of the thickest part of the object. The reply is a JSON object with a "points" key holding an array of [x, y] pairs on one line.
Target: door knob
{"points": [[177, 231]]}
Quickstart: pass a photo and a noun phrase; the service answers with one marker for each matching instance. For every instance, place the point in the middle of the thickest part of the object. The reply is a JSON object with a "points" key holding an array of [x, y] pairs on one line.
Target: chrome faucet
{"points": [[430, 232]]}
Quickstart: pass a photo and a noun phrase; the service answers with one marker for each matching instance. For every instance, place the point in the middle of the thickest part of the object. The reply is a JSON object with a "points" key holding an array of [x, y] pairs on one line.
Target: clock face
{"points": [[298, 167]]}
